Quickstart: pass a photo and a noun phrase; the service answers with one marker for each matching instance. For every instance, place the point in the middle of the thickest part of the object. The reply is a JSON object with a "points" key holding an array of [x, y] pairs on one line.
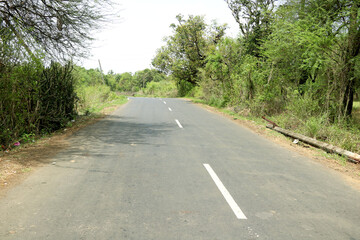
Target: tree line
{"points": [[292, 58], [299, 57]]}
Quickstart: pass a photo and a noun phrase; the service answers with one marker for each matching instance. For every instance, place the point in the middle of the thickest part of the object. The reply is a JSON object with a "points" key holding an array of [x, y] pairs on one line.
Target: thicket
{"points": [[35, 96], [296, 61], [35, 99], [164, 88]]}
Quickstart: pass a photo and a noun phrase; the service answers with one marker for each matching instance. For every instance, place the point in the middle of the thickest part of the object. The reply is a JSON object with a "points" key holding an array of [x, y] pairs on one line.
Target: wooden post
{"points": [[102, 75]]}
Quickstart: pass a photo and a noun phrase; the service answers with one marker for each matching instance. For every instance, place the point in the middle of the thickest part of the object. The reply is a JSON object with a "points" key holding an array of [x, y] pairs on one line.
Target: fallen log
{"points": [[352, 157]]}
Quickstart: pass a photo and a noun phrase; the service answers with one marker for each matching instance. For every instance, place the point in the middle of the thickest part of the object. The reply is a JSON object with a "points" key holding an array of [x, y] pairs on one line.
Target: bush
{"points": [[184, 87], [19, 101], [57, 96], [217, 102], [163, 88], [91, 96], [196, 92], [35, 99]]}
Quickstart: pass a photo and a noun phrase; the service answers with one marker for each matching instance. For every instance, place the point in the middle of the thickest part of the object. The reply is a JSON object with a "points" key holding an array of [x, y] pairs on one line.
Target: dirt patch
{"points": [[17, 163], [348, 171]]}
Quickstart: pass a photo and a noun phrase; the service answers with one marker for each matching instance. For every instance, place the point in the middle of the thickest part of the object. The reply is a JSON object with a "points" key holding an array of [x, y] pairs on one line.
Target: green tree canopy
{"points": [[186, 50], [254, 19], [143, 77]]}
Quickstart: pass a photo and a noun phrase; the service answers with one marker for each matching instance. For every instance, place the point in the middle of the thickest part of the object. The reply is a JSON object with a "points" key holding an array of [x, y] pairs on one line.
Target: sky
{"points": [[129, 44]]}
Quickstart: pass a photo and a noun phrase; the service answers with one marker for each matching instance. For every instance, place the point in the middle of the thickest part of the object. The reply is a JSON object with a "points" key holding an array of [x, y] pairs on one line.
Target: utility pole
{"points": [[102, 75]]}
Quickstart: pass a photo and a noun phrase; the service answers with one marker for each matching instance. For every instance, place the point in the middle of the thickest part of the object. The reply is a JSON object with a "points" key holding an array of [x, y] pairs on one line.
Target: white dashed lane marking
{"points": [[178, 123], [230, 200]]}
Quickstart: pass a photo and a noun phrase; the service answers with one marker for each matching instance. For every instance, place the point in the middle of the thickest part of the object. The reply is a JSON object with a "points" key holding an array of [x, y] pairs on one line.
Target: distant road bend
{"points": [[167, 169]]}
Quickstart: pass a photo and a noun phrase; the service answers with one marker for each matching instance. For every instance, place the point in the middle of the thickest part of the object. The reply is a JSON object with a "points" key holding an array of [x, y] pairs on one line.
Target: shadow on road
{"points": [[108, 135]]}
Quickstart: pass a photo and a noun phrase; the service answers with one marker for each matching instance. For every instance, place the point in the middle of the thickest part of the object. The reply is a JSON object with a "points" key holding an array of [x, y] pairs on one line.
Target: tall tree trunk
{"points": [[348, 100], [353, 46]]}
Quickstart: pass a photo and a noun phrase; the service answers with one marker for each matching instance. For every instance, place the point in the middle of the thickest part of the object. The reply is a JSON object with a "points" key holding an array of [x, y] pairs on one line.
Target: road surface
{"points": [[167, 169]]}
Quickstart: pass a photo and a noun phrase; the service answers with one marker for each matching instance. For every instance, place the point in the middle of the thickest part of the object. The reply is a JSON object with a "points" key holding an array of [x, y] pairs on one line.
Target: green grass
{"points": [[342, 160], [93, 99], [196, 100], [119, 100]]}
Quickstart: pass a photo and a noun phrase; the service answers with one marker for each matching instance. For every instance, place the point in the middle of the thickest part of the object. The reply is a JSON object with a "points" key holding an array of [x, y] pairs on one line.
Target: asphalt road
{"points": [[167, 169]]}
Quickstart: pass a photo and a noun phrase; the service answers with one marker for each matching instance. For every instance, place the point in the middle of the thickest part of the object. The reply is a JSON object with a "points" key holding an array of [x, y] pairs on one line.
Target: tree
{"points": [[352, 49], [189, 47], [125, 81], [314, 48], [186, 50], [59, 29], [143, 77], [342, 20], [254, 18]]}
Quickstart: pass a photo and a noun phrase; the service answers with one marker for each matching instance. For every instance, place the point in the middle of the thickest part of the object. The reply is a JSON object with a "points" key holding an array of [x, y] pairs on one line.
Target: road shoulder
{"points": [[19, 163], [350, 172]]}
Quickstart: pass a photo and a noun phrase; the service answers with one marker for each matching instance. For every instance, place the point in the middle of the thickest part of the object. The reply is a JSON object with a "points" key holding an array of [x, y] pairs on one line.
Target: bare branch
{"points": [[60, 29]]}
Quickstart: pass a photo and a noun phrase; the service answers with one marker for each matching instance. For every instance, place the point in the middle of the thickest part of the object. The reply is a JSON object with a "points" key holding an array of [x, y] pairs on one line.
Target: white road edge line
{"points": [[236, 209], [170, 109], [164, 102], [178, 123]]}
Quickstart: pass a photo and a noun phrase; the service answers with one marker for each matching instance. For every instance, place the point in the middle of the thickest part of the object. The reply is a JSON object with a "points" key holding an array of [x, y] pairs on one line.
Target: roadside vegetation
{"points": [[38, 100], [40, 88], [296, 62]]}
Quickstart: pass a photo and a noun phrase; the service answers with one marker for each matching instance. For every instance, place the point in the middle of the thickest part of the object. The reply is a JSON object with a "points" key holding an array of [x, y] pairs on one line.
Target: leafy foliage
{"points": [[56, 96], [296, 60], [37, 95], [186, 50], [131, 83], [164, 88], [35, 99]]}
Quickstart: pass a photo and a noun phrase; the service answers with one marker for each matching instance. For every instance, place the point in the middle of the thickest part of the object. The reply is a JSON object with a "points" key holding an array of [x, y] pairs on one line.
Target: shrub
{"points": [[91, 96], [163, 88], [35, 99], [57, 96], [184, 87]]}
